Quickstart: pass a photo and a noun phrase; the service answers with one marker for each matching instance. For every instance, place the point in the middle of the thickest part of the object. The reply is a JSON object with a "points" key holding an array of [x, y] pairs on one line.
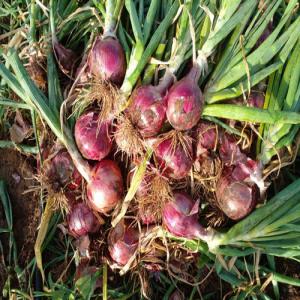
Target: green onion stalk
{"points": [[244, 64], [284, 91], [144, 45]]}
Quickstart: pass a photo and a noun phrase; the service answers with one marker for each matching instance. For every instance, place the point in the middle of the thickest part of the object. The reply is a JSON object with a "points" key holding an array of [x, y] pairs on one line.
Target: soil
{"points": [[16, 171], [292, 269]]}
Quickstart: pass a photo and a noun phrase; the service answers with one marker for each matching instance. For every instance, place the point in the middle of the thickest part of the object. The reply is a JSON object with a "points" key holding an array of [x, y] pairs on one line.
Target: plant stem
{"points": [[250, 114], [112, 14]]}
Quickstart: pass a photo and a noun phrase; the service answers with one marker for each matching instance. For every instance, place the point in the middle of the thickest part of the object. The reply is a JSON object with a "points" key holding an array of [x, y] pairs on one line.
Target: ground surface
{"points": [[16, 171]]}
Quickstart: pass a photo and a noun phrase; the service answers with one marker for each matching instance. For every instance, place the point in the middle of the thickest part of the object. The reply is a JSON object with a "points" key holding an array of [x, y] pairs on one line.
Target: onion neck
{"points": [[165, 82], [194, 73], [113, 12], [204, 234]]}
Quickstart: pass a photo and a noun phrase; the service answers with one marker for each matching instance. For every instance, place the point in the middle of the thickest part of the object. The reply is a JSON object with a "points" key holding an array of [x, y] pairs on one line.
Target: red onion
{"points": [[148, 110], [81, 220], [256, 99], [176, 295], [229, 150], [207, 136], [107, 60], [251, 171], [175, 160], [92, 138], [122, 243], [185, 102], [181, 217], [105, 188], [65, 57], [236, 197], [62, 172]]}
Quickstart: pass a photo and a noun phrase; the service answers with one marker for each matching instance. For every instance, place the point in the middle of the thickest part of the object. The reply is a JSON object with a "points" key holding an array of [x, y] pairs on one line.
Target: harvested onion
{"points": [[174, 159], [107, 60], [105, 189], [185, 102], [81, 220], [236, 196], [122, 243], [181, 217], [93, 139], [148, 110]]}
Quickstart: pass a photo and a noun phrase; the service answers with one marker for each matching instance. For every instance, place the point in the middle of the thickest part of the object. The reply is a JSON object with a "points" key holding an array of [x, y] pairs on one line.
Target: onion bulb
{"points": [[180, 216], [122, 243], [229, 150], [81, 220], [174, 159], [60, 170], [105, 189], [236, 197], [92, 139], [185, 102], [107, 60], [148, 110], [207, 138]]}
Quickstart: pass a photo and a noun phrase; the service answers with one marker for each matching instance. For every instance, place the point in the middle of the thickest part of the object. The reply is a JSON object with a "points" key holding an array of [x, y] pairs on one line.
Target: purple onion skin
{"points": [[122, 243], [81, 220], [185, 102], [105, 190], [92, 139], [181, 216], [176, 295], [206, 138], [174, 162], [256, 99], [66, 57], [148, 110], [107, 60], [229, 150], [62, 171], [236, 198]]}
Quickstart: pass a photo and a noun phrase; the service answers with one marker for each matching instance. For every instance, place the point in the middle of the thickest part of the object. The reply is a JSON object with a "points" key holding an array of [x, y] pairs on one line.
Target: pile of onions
{"points": [[185, 101], [175, 159], [61, 171], [81, 220], [122, 243], [105, 189], [180, 216], [107, 60], [92, 139]]}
